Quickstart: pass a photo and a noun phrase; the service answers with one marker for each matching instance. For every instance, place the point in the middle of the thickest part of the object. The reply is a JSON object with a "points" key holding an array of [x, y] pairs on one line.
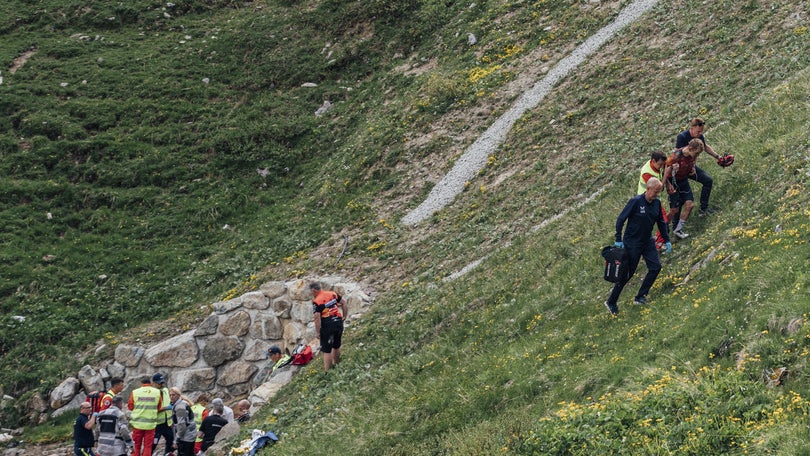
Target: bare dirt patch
{"points": [[21, 60]]}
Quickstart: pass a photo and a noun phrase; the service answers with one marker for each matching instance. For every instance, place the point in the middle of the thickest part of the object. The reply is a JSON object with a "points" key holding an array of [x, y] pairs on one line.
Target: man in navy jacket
{"points": [[640, 214]]}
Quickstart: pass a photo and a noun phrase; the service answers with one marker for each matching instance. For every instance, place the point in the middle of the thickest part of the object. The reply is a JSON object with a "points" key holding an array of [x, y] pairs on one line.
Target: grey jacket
{"points": [[113, 432], [185, 429]]}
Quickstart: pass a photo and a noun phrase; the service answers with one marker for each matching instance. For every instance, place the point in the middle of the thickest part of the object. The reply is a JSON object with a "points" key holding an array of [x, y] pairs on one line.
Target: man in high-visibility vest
{"points": [[200, 409], [164, 417], [144, 402], [116, 386]]}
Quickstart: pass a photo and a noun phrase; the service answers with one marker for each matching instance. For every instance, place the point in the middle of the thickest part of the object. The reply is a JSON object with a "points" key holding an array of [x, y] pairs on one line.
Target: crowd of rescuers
{"points": [[187, 428], [644, 212]]}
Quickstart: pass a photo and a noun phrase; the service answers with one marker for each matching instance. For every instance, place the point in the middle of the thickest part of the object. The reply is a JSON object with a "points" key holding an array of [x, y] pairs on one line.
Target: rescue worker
{"points": [[144, 402], [164, 416], [200, 410], [328, 309], [654, 167], [83, 438], [114, 438], [116, 386]]}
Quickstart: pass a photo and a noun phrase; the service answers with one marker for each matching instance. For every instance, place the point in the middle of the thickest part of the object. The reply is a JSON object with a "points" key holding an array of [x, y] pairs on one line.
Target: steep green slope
{"points": [[156, 156], [142, 171], [520, 357]]}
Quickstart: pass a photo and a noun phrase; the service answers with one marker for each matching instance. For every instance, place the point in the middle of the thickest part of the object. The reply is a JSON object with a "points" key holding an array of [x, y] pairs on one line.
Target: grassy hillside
{"points": [[142, 166]]}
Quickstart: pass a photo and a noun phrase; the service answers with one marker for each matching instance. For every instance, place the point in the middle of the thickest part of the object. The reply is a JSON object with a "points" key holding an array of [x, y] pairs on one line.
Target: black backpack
{"points": [[616, 267]]}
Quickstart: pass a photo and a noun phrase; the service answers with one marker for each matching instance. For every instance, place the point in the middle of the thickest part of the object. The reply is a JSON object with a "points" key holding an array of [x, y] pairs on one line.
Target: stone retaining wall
{"points": [[226, 355]]}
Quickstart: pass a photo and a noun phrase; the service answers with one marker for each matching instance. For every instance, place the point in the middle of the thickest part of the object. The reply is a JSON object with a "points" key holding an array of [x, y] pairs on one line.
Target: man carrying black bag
{"points": [[641, 213]]}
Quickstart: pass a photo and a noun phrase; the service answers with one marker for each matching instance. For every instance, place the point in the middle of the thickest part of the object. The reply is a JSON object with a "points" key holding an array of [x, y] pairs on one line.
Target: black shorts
{"points": [[681, 195], [331, 334]]}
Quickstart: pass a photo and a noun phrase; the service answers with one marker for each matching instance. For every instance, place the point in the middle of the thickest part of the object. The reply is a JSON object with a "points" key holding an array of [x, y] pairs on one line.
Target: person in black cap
{"points": [[279, 359], [164, 417]]}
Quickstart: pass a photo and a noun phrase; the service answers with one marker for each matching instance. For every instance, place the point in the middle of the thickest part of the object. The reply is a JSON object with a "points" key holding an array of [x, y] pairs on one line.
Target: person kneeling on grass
{"points": [[641, 213]]}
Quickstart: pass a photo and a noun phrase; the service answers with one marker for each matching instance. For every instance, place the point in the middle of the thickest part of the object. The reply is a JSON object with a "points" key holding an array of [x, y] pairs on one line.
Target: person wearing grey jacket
{"points": [[185, 429], [114, 438]]}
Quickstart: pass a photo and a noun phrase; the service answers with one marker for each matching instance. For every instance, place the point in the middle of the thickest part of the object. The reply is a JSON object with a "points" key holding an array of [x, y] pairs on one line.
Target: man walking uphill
{"points": [[640, 214], [329, 310]]}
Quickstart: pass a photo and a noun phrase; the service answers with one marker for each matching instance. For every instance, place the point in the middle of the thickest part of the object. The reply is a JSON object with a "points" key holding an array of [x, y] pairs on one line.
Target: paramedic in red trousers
{"points": [[144, 404], [641, 213], [329, 309]]}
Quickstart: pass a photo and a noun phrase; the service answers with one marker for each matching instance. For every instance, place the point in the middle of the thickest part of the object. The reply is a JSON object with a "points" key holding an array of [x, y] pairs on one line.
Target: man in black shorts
{"points": [[329, 309]]}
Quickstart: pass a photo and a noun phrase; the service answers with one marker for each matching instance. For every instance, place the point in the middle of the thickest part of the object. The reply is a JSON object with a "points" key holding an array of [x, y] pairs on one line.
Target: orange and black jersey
{"points": [[326, 303]]}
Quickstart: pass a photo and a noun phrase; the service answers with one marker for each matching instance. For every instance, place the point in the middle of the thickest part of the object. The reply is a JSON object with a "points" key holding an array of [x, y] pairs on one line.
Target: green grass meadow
{"points": [[158, 157]]}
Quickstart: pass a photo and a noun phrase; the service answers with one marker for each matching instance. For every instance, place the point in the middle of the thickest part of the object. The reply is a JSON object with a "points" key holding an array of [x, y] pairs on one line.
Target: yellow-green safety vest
{"points": [[165, 416], [648, 169], [145, 408], [198, 410]]}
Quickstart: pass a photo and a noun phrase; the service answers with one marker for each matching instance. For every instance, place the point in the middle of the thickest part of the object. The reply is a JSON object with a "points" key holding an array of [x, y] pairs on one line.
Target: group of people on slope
{"points": [[644, 211], [152, 411], [190, 428]]}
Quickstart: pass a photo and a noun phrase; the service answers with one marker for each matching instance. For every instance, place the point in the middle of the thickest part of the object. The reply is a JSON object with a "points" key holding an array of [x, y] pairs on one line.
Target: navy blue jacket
{"points": [[682, 140], [640, 216]]}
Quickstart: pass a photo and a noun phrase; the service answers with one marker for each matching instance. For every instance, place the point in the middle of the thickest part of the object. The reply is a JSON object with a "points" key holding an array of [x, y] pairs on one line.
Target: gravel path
{"points": [[475, 157]]}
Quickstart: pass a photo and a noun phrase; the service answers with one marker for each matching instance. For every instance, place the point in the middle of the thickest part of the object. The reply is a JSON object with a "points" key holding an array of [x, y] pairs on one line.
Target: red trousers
{"points": [[142, 437]]}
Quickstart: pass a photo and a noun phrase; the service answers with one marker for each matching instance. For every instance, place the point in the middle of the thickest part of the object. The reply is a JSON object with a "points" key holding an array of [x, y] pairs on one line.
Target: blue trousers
{"points": [[634, 255], [706, 181]]}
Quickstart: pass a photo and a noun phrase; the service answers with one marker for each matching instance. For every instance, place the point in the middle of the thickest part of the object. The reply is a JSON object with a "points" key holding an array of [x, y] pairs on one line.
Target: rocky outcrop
{"points": [[226, 354]]}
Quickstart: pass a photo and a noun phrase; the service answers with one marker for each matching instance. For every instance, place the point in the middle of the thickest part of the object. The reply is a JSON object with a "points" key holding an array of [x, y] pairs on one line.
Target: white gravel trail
{"points": [[475, 157]]}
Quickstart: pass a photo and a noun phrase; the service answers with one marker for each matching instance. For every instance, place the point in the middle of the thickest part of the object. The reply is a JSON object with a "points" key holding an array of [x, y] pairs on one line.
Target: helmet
{"points": [[726, 160]]}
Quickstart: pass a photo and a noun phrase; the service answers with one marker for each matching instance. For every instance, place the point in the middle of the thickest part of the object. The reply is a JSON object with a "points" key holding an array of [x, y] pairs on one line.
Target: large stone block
{"points": [[236, 324], [281, 306], [63, 393], [273, 289], [301, 311], [299, 290], [266, 326], [236, 373], [115, 370], [255, 300], [128, 355], [224, 307], [208, 327], [220, 349], [296, 333], [256, 350], [179, 351], [201, 379], [90, 379]]}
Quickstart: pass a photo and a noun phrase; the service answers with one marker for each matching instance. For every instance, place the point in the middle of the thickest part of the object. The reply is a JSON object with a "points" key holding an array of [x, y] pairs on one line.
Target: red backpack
{"points": [[301, 355], [95, 398]]}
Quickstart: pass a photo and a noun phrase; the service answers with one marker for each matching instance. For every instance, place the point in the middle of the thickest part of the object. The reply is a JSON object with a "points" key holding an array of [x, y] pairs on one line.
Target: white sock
{"points": [[681, 223]]}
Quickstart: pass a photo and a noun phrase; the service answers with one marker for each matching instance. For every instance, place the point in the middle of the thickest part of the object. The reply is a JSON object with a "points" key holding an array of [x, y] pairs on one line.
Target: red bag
{"points": [[94, 398], [302, 355]]}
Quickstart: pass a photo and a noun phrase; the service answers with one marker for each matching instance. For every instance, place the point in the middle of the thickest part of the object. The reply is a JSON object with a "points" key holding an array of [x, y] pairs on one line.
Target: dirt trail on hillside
{"points": [[475, 157]]}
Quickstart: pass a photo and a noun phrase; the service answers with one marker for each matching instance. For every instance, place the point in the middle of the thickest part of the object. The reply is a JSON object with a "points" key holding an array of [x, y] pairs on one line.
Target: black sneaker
{"points": [[614, 309], [640, 301], [706, 212]]}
